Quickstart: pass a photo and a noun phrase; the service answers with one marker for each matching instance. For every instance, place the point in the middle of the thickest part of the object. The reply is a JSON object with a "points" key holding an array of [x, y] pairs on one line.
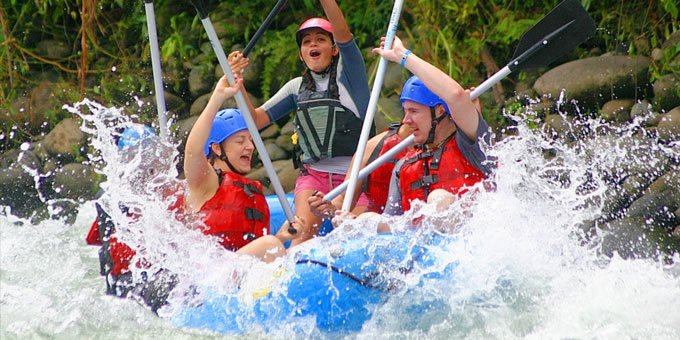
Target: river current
{"points": [[525, 266]]}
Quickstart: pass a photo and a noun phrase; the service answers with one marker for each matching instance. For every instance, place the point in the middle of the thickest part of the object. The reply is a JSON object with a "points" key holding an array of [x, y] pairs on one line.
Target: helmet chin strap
{"points": [[435, 122], [223, 158]]}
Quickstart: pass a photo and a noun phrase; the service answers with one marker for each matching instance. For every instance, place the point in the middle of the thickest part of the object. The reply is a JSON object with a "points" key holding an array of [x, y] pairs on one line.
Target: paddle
{"points": [[372, 105], [567, 26], [156, 67], [243, 106], [267, 21]]}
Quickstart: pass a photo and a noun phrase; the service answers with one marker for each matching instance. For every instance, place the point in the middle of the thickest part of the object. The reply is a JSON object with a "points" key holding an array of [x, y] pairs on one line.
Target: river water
{"points": [[525, 268]]}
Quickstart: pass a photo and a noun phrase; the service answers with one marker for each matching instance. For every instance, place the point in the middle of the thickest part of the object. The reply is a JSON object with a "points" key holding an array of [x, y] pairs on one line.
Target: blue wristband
{"points": [[403, 58]]}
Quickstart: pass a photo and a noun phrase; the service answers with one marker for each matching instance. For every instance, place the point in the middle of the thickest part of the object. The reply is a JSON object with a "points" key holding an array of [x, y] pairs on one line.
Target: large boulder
{"points": [[669, 126], [65, 140], [173, 103], [76, 181], [270, 131], [667, 92], [275, 152], [617, 110], [285, 142], [201, 79], [18, 186], [199, 104], [285, 172], [593, 81], [42, 104]]}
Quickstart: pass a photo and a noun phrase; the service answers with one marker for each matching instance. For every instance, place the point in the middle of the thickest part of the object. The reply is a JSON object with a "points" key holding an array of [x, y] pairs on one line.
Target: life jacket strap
{"points": [[253, 214]]}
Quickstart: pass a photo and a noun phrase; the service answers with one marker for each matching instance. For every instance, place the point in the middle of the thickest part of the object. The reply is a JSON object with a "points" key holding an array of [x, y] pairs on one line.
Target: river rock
{"points": [[394, 79], [593, 81], [286, 174], [173, 103], [669, 126], [667, 92], [201, 79], [629, 238], [17, 191], [65, 140], [231, 102], [76, 181], [642, 46], [656, 208], [288, 128], [251, 75], [617, 110], [285, 142], [182, 129], [275, 152], [643, 110], [269, 132], [672, 41], [37, 109], [199, 104], [17, 185]]}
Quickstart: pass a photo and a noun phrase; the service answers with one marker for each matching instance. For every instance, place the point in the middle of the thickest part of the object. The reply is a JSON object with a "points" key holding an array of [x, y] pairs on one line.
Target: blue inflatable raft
{"points": [[339, 287]]}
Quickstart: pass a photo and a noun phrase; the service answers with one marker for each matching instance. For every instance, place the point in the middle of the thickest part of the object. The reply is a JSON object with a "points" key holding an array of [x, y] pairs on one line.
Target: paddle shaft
{"points": [[243, 107], [267, 22], [372, 106], [156, 67]]}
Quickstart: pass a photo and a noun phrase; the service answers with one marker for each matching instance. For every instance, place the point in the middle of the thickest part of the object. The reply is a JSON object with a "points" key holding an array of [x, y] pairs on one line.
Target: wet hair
{"points": [[309, 84]]}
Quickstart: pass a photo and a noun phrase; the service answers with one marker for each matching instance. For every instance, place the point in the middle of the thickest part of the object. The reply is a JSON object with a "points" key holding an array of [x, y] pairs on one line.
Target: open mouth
{"points": [[314, 53], [246, 159]]}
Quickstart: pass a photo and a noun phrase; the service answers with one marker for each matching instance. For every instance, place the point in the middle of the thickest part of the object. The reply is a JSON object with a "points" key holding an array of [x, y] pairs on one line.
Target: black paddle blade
{"points": [[267, 21], [200, 8], [564, 28]]}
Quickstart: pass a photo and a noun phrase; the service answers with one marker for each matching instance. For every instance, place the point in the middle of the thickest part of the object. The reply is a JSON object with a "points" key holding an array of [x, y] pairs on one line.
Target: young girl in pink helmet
{"points": [[330, 100]]}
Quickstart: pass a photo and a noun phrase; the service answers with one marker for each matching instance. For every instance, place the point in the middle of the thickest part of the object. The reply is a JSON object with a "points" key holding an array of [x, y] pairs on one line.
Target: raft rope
{"points": [[344, 273]]}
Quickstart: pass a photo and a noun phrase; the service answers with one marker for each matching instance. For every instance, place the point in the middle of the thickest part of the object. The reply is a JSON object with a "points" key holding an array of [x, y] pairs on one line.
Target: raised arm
{"points": [[238, 63], [200, 176], [463, 111], [341, 32]]}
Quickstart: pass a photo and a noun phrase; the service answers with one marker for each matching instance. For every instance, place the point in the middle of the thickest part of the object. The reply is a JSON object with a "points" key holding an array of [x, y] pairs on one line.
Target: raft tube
{"points": [[339, 288]]}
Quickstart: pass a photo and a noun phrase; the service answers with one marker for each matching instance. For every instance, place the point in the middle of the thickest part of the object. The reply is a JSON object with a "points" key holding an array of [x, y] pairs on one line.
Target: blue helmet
{"points": [[134, 135], [415, 91], [227, 122]]}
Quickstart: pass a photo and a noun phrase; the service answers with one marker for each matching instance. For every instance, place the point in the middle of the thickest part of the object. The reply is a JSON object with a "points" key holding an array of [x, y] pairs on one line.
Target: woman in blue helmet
{"points": [[217, 157]]}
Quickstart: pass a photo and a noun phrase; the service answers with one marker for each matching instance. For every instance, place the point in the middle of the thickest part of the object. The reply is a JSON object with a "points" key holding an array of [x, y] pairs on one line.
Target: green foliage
{"points": [[450, 34]]}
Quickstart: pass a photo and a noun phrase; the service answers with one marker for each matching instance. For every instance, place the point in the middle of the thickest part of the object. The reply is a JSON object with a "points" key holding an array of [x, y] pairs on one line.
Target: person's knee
{"points": [[441, 198]]}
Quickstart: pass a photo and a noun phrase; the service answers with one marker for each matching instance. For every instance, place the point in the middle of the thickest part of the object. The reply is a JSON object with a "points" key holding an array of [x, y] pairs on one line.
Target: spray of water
{"points": [[525, 259]]}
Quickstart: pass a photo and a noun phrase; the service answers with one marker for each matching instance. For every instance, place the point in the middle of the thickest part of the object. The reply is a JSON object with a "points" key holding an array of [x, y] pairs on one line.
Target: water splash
{"points": [[528, 263]]}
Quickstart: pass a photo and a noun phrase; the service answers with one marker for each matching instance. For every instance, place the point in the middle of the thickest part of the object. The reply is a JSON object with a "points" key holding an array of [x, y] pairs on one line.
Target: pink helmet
{"points": [[313, 23]]}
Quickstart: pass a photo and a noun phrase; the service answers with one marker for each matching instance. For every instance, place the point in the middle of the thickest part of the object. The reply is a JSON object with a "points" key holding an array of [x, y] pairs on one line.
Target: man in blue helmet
{"points": [[114, 256], [447, 127]]}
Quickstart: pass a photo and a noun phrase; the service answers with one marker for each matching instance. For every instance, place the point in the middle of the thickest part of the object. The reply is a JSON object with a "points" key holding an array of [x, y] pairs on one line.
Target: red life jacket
{"points": [[444, 168], [377, 184], [115, 256], [238, 212]]}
